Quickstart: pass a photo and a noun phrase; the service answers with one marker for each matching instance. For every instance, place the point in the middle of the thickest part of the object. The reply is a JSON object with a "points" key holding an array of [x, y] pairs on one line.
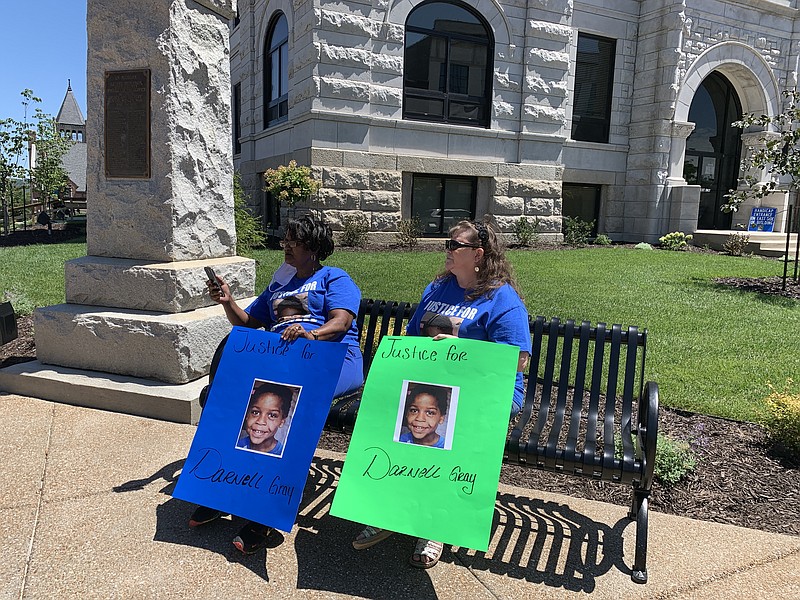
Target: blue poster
{"points": [[265, 411], [762, 219]]}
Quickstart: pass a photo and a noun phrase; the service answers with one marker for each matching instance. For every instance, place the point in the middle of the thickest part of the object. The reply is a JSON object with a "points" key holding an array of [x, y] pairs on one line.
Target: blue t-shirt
{"points": [[245, 443], [499, 317], [308, 301], [409, 439]]}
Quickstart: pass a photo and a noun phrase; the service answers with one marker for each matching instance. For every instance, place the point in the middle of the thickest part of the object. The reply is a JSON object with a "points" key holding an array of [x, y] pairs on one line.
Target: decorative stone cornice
{"points": [[755, 139], [682, 130]]}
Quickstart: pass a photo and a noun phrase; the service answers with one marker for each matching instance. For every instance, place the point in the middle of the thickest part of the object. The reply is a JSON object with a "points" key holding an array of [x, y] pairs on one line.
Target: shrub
{"points": [[249, 232], [577, 231], [643, 246], [408, 232], [783, 416], [602, 240], [525, 232], [291, 183], [677, 240], [674, 460], [355, 230], [736, 243]]}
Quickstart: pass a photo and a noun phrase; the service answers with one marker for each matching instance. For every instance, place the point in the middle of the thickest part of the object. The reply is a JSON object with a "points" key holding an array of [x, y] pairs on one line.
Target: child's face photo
{"points": [[264, 418], [422, 418], [426, 415]]}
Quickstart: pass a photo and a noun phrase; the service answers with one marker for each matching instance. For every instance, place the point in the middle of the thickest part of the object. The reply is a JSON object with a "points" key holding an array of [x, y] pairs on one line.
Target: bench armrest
{"points": [[648, 432]]}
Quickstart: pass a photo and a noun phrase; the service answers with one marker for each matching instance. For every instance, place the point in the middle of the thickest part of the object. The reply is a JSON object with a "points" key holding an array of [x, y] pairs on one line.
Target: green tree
{"points": [[249, 232], [48, 176], [13, 136], [779, 154]]}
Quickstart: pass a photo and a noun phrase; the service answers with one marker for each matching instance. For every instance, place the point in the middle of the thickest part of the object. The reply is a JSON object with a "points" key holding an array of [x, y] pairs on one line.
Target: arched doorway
{"points": [[713, 149]]}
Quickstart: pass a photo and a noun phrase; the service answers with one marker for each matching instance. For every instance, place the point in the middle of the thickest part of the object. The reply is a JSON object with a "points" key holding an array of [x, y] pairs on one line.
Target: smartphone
{"points": [[212, 276]]}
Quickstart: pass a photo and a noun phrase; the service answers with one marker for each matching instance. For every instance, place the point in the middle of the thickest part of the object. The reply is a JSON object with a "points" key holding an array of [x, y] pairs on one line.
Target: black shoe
{"points": [[203, 515], [252, 537]]}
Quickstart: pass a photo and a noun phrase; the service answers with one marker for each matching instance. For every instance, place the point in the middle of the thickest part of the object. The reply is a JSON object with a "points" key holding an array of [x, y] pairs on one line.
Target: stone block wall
{"points": [[345, 107]]}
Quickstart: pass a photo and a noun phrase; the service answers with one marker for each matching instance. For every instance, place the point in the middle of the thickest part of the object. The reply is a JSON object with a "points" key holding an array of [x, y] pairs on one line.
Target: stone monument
{"points": [[159, 209]]}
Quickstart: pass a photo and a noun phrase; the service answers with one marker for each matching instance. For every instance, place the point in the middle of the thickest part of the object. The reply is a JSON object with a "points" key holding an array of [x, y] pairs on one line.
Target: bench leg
{"points": [[639, 512]]}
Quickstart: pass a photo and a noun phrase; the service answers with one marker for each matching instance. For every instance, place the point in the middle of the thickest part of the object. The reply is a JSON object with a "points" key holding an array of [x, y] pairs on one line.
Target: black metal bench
{"points": [[585, 388]]}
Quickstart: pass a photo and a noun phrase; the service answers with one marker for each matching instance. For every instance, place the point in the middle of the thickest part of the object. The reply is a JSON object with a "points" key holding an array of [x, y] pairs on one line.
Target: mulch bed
{"points": [[740, 478]]}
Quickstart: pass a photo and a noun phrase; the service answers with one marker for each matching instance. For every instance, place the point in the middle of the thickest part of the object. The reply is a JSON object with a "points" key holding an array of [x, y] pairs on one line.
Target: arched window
{"points": [[447, 65], [276, 72]]}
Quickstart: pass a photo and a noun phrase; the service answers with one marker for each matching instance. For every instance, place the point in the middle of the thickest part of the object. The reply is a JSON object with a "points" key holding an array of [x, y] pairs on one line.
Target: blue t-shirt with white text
{"points": [[498, 317], [307, 301]]}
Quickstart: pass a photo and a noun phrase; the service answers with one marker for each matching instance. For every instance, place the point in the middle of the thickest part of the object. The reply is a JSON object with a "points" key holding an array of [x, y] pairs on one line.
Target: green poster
{"points": [[425, 454]]}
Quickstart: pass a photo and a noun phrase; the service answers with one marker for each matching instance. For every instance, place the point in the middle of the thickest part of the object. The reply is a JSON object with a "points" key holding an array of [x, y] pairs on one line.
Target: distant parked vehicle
{"points": [[451, 217]]}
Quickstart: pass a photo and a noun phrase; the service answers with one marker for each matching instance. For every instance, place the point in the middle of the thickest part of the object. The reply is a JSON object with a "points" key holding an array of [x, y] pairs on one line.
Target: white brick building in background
{"points": [[611, 110]]}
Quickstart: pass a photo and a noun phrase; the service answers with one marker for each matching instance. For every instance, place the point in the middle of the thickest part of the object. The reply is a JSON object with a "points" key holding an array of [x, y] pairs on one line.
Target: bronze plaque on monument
{"points": [[127, 124]]}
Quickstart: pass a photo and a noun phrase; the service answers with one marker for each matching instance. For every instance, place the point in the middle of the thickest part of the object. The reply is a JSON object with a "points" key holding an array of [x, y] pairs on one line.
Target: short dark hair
{"points": [[438, 392], [315, 234], [281, 391]]}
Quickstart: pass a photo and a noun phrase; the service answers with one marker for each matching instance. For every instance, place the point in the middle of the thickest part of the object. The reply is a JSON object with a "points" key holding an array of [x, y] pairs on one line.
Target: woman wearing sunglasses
{"points": [[478, 295], [305, 299]]}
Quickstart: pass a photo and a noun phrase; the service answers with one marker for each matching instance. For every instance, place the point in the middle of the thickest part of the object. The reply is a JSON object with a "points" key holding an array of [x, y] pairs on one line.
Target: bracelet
{"points": [[314, 334]]}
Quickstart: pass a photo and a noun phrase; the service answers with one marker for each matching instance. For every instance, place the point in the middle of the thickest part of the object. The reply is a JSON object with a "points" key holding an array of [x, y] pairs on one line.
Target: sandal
{"points": [[203, 515], [252, 537], [428, 553], [370, 536]]}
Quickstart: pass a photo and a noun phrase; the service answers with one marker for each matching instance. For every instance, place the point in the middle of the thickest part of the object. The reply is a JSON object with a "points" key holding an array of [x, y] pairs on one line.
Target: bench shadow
{"points": [[172, 519], [533, 540]]}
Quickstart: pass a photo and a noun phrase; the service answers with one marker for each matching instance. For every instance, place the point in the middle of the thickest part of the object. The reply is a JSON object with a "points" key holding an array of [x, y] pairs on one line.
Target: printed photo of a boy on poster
{"points": [[268, 417], [426, 414]]}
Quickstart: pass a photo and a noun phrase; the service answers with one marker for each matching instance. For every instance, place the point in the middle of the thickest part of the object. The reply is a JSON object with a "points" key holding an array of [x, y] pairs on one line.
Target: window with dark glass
{"points": [[581, 201], [276, 72], [594, 84], [447, 65], [441, 201], [237, 118]]}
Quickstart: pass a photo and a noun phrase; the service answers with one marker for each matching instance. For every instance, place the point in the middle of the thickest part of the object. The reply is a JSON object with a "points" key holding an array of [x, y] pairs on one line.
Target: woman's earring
{"points": [[477, 269]]}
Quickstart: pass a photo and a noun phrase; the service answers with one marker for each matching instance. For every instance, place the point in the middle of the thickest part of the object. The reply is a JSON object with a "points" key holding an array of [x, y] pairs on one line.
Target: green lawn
{"points": [[712, 349]]}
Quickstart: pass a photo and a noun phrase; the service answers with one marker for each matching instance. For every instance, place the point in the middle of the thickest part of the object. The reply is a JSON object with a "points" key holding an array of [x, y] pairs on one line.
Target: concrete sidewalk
{"points": [[87, 513]]}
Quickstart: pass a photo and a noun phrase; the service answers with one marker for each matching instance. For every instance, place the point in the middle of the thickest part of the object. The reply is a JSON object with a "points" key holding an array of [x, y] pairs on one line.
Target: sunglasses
{"points": [[290, 243], [455, 245]]}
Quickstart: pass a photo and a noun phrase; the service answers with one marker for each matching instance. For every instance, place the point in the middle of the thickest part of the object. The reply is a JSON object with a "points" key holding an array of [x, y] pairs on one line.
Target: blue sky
{"points": [[42, 45]]}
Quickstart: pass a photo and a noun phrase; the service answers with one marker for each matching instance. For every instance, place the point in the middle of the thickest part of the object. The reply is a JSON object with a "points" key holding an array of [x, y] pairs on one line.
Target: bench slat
{"points": [[577, 395], [552, 453], [593, 410]]}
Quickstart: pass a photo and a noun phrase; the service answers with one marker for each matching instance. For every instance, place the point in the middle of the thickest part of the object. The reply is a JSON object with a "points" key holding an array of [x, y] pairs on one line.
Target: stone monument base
{"points": [[105, 391], [172, 348]]}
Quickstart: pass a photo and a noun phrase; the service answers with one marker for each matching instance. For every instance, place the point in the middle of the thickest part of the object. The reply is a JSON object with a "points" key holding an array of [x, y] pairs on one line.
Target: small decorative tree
{"points": [[779, 153], [290, 184]]}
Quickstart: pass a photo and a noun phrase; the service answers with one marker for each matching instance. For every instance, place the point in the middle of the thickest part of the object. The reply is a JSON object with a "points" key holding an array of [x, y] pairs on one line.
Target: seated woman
{"points": [[304, 300], [478, 285]]}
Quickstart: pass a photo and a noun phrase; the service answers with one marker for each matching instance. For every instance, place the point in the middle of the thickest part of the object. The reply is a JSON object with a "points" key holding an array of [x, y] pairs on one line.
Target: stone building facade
{"points": [[615, 111]]}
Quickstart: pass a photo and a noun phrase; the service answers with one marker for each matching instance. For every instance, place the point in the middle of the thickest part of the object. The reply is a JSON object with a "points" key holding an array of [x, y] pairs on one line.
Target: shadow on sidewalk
{"points": [[532, 540], [172, 518]]}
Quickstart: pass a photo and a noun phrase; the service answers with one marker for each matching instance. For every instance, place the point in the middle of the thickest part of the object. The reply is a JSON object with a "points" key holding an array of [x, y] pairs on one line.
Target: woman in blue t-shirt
{"points": [[475, 297], [305, 299]]}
